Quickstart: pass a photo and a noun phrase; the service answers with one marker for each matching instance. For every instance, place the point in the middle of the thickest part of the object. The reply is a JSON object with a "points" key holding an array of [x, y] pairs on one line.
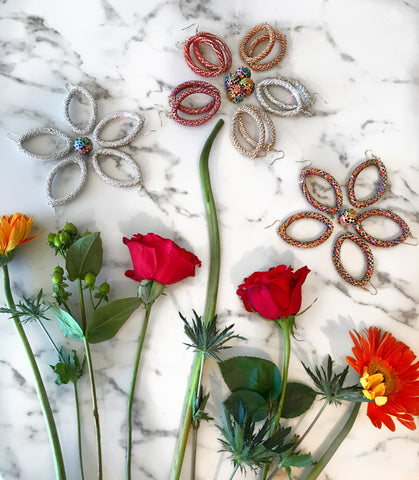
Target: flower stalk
{"points": [[42, 394], [324, 460], [132, 388], [211, 299]]}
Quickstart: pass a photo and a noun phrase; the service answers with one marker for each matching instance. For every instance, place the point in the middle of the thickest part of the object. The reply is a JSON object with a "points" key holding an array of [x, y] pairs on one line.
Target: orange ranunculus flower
{"points": [[389, 376], [14, 231]]}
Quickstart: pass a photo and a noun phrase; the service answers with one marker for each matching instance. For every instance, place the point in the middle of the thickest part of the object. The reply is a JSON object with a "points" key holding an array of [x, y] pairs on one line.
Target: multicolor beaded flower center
{"points": [[83, 145], [347, 217]]}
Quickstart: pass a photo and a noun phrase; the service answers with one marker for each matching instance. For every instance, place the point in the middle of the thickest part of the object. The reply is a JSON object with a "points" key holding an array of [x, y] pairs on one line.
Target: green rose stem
{"points": [[284, 325], [328, 454], [45, 405], [211, 300], [132, 389]]}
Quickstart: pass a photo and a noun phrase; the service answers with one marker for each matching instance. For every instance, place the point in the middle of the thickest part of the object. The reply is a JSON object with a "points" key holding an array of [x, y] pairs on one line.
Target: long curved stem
{"points": [[132, 389], [211, 300], [95, 408], [324, 460], [42, 394]]}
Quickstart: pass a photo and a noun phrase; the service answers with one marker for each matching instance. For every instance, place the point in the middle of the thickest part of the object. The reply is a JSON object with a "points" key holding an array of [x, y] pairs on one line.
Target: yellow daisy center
{"points": [[377, 383]]}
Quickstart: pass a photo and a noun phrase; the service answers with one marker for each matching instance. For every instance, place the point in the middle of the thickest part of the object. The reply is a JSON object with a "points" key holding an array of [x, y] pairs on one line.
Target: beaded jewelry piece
{"points": [[266, 129], [271, 36], [368, 256], [347, 217], [189, 88], [206, 68], [82, 146], [382, 172], [239, 84], [302, 97]]}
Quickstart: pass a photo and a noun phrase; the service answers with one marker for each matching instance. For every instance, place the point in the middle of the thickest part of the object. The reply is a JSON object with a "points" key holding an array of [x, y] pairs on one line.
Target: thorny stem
{"points": [[132, 389], [195, 425], [42, 394], [211, 300]]}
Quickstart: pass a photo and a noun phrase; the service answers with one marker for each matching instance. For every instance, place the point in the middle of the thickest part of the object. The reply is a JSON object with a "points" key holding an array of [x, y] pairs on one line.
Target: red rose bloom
{"points": [[160, 259], [389, 376], [274, 294]]}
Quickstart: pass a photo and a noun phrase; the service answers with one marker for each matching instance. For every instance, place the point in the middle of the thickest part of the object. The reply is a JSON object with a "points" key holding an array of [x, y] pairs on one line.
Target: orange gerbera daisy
{"points": [[389, 377], [14, 230]]}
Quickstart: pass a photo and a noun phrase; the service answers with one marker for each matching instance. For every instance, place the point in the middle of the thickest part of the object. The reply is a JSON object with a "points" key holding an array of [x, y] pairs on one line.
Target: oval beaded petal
{"points": [[305, 172], [368, 257], [376, 241], [282, 230], [382, 172]]}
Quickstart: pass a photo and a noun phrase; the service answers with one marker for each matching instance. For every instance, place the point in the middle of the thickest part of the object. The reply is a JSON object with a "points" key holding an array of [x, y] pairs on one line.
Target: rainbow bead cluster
{"points": [[347, 216], [239, 85], [83, 145], [338, 262]]}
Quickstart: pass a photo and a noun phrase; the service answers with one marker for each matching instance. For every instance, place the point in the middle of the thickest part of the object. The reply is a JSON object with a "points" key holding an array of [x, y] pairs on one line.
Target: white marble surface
{"points": [[361, 57]]}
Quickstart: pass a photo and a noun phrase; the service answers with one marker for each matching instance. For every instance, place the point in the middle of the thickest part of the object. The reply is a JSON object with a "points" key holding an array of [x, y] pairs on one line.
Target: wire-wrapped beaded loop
{"points": [[368, 257], [198, 63], [382, 185], [305, 172], [251, 40], [186, 89], [405, 231], [282, 229], [266, 131], [302, 97]]}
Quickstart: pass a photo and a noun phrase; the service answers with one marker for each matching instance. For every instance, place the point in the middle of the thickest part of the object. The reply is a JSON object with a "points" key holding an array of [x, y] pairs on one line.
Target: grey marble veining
{"points": [[360, 59]]}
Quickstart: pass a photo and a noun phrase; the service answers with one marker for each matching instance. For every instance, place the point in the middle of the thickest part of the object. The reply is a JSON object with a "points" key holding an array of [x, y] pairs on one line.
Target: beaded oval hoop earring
{"points": [[303, 98], [305, 172], [382, 172], [271, 36], [199, 64], [266, 130], [189, 88], [405, 231], [282, 229], [368, 256]]}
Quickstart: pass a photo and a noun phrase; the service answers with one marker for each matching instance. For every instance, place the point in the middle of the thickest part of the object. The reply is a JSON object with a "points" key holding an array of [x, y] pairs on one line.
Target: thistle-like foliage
{"points": [[198, 410], [247, 445], [28, 309], [207, 339], [330, 384]]}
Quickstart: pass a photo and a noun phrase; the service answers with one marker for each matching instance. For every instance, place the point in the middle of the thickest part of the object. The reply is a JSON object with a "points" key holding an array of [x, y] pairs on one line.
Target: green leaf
{"points": [[68, 324], [298, 399], [107, 320], [253, 403], [70, 369], [84, 256], [252, 373]]}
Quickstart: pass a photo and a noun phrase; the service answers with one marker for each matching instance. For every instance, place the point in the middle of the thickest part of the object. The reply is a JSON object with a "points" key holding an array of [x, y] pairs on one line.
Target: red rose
{"points": [[273, 294], [160, 259]]}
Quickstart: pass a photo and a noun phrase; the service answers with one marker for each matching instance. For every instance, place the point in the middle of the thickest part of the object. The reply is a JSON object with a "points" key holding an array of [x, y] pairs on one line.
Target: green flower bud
{"points": [[104, 288], [70, 228], [64, 237], [59, 270], [89, 279], [57, 240], [51, 237], [56, 278], [86, 233]]}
